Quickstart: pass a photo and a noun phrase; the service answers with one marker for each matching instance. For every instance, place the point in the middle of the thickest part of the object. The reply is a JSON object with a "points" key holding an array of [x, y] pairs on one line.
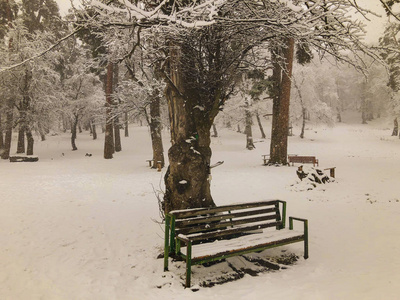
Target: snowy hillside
{"points": [[79, 227]]}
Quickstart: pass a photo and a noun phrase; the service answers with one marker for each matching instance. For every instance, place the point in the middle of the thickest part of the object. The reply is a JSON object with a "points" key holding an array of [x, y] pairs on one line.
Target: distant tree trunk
{"points": [[74, 125], [187, 182], [303, 125], [339, 115], [282, 74], [5, 150], [249, 122], [1, 136], [94, 131], [263, 136], [64, 123], [395, 128], [30, 141], [238, 129], [364, 112], [21, 139], [126, 125], [155, 132], [42, 134], [117, 135], [215, 132], [8, 130], [109, 136], [117, 127]]}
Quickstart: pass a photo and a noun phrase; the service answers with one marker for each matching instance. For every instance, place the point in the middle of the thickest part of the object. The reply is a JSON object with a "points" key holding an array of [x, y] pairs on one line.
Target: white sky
{"points": [[65, 5], [374, 27]]}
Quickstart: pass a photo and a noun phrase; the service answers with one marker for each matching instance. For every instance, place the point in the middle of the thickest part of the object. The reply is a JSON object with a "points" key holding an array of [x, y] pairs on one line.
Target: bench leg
{"points": [[166, 243], [306, 239], [188, 264]]}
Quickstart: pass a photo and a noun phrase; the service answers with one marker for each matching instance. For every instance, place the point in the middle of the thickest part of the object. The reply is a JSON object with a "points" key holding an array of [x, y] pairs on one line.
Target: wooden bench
{"points": [[302, 159], [150, 161], [158, 164], [210, 234], [331, 171], [265, 158], [23, 158]]}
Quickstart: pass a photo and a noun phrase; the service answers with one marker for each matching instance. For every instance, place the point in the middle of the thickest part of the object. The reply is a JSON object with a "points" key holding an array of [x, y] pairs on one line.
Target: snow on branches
{"points": [[196, 14]]}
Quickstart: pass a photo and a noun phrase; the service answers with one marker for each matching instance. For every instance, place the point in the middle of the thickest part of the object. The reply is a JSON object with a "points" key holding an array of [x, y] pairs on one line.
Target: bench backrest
{"points": [[223, 221], [302, 159]]}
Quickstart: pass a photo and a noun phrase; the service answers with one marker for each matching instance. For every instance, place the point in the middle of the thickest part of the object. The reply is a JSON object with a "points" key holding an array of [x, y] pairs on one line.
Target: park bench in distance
{"points": [[210, 234], [302, 159], [23, 158]]}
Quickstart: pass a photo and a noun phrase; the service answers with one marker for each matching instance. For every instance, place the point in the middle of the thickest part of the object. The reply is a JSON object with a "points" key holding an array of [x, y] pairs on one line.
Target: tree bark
{"points": [[74, 126], [117, 127], [303, 125], [8, 130], [248, 131], [126, 125], [21, 139], [395, 128], [109, 136], [30, 142], [94, 131], [282, 74], [117, 135], [263, 136], [364, 112], [1, 135], [215, 131], [187, 182], [155, 132]]}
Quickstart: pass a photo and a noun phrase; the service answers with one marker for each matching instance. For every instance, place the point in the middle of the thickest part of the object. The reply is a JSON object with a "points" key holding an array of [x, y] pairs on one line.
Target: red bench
{"points": [[303, 159]]}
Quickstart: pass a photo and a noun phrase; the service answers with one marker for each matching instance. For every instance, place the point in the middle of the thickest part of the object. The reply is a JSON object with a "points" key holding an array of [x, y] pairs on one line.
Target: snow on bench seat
{"points": [[219, 247]]}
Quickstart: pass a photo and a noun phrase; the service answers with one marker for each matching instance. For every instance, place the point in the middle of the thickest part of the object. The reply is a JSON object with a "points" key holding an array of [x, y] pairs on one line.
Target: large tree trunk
{"points": [[282, 74], [155, 131], [109, 134], [187, 182]]}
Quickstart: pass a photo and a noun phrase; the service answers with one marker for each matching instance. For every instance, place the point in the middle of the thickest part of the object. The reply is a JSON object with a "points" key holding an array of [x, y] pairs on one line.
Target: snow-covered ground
{"points": [[79, 227]]}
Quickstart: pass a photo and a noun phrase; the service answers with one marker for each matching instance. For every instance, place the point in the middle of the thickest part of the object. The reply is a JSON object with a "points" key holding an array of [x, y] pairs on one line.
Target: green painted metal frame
{"points": [[305, 221], [172, 244]]}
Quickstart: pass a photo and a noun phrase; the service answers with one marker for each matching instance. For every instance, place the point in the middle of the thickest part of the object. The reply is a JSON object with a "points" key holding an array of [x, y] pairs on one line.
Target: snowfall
{"points": [[81, 227]]}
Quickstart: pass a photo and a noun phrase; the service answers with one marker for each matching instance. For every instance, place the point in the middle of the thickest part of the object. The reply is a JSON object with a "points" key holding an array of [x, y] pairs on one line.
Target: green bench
{"points": [[209, 234]]}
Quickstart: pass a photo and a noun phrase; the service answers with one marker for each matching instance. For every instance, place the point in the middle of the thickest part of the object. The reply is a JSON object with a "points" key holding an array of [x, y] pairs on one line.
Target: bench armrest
{"points": [[183, 238], [305, 221]]}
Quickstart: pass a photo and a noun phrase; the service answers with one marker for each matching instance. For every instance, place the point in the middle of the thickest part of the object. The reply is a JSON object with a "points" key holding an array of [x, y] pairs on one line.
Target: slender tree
{"points": [[109, 133]]}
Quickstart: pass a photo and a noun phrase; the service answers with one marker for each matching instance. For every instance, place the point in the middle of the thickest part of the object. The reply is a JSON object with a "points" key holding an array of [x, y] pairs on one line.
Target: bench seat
{"points": [[223, 248]]}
